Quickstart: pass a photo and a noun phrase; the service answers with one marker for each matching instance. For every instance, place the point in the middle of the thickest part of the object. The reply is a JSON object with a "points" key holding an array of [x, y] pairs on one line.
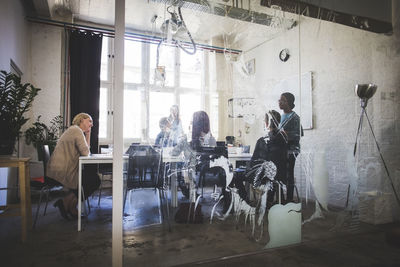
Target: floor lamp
{"points": [[365, 92]]}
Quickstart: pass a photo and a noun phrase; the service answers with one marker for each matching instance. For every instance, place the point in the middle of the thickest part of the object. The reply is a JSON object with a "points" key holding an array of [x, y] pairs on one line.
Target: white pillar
{"points": [[118, 91]]}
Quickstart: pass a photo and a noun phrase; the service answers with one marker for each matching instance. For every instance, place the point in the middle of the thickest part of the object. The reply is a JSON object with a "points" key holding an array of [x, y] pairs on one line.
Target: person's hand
{"points": [[87, 132]]}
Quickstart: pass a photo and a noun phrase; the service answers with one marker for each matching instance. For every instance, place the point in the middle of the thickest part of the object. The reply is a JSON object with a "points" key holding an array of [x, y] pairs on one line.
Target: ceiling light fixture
{"points": [[173, 24], [171, 28]]}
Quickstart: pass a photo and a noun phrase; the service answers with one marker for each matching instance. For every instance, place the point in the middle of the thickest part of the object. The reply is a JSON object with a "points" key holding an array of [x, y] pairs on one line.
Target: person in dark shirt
{"points": [[163, 137], [271, 147], [291, 128]]}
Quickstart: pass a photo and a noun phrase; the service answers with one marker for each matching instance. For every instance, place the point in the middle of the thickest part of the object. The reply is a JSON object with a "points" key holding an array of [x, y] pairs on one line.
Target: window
{"points": [[160, 104], [104, 60], [166, 57], [189, 103], [191, 70], [103, 113], [146, 102], [132, 113], [133, 62]]}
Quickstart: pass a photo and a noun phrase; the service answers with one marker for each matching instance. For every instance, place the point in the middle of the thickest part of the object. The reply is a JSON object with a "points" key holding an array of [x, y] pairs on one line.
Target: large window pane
{"points": [[166, 59], [132, 113], [104, 60], [133, 62], [189, 103], [103, 111], [191, 67], [160, 103], [214, 115]]}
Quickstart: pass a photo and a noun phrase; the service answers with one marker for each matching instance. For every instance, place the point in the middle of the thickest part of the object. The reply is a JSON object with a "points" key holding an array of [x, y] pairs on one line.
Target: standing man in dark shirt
{"points": [[291, 128]]}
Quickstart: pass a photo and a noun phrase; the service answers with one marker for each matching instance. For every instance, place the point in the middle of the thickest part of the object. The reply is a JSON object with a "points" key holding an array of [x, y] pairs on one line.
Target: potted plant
{"points": [[15, 100], [40, 134]]}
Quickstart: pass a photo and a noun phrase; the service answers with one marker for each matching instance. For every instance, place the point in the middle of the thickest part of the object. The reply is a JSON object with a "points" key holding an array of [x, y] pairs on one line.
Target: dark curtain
{"points": [[85, 62]]}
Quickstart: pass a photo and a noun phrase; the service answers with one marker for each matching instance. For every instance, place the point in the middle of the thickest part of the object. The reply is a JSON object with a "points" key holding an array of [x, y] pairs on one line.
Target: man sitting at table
{"points": [[163, 136], [63, 165]]}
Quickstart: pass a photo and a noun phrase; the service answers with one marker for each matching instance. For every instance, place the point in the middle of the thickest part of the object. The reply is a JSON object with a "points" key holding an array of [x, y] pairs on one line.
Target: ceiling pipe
{"points": [[233, 12], [317, 12]]}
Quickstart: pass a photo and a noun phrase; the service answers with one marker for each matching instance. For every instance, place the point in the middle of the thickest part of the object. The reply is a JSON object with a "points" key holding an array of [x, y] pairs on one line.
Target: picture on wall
{"points": [[251, 66]]}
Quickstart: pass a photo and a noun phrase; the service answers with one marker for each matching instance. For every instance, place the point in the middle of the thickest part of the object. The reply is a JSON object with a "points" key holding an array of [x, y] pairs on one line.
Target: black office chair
{"points": [[46, 186], [144, 171]]}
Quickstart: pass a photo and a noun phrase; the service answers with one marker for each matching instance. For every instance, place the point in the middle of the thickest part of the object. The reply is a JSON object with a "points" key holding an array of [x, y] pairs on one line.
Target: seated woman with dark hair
{"points": [[201, 134], [63, 164], [271, 147]]}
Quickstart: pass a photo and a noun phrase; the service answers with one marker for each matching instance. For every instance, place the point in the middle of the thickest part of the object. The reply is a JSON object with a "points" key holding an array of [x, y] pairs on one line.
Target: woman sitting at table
{"points": [[201, 134], [175, 125], [63, 164], [271, 147]]}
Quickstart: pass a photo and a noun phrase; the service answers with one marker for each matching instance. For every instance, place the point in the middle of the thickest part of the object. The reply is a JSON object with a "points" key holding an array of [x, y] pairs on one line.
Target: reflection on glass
{"points": [[284, 225], [133, 62], [191, 67], [160, 103], [189, 104], [132, 113], [103, 113], [166, 59]]}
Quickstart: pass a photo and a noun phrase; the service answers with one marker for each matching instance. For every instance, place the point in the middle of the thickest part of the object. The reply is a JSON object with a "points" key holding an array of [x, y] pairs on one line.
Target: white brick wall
{"points": [[339, 58]]}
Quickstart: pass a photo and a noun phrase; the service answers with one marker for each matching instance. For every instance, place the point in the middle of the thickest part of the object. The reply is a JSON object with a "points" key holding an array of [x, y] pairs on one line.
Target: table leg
{"points": [[79, 195], [25, 199], [174, 186], [28, 194]]}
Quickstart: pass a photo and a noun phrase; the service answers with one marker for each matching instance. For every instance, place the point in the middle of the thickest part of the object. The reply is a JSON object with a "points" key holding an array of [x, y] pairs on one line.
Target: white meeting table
{"points": [[233, 157], [166, 157], [91, 159]]}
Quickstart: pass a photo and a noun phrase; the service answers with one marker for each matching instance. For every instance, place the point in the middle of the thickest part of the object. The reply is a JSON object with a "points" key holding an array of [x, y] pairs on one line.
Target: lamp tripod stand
{"points": [[365, 92]]}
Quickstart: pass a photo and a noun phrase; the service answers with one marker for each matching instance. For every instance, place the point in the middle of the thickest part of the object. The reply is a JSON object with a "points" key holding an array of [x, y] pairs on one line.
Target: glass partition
{"points": [[302, 162]]}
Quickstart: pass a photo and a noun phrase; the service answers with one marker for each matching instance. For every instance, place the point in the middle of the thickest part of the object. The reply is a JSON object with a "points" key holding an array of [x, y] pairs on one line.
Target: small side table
{"points": [[25, 192]]}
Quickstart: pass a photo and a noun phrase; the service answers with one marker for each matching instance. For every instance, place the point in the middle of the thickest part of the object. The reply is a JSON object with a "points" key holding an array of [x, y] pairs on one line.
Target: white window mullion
{"points": [[145, 97], [110, 120], [177, 75]]}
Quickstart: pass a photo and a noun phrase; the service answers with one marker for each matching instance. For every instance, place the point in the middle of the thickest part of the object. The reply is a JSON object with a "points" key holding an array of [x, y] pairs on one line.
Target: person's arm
{"points": [[257, 150], [158, 139], [292, 128], [83, 142], [87, 137]]}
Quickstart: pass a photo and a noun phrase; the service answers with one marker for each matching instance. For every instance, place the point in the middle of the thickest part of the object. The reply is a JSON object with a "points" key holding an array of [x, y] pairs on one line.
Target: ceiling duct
{"points": [[36, 8], [228, 11], [328, 14]]}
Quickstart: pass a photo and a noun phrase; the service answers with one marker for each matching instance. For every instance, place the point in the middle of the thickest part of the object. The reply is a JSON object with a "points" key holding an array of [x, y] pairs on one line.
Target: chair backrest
{"points": [[46, 158]]}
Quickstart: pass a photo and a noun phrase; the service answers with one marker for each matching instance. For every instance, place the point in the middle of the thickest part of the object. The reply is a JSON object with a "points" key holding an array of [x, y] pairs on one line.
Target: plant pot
{"points": [[7, 146]]}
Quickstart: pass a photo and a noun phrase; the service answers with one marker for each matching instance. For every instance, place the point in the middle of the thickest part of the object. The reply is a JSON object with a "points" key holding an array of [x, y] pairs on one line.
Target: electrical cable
{"points": [[176, 42], [190, 36]]}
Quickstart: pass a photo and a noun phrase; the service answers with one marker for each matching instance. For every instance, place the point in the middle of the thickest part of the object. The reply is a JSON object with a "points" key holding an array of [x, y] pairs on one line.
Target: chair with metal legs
{"points": [[46, 186], [157, 180]]}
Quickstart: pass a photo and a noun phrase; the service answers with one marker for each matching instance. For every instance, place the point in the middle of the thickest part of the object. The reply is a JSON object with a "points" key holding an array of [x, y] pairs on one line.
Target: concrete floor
{"points": [[335, 240]]}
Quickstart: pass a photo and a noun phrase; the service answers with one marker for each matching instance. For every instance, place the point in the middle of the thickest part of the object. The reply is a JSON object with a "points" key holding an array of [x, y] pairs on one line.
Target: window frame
{"points": [[145, 87]]}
